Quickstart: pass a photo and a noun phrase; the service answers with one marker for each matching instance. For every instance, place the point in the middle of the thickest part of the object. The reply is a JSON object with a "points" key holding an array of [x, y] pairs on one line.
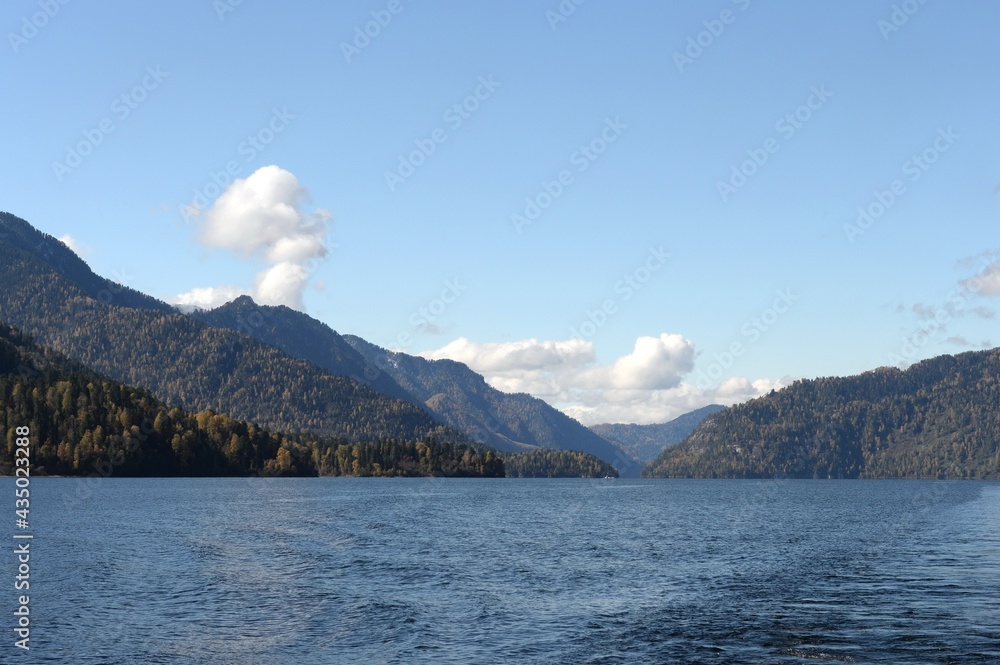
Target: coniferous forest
{"points": [[938, 419], [543, 463], [83, 423]]}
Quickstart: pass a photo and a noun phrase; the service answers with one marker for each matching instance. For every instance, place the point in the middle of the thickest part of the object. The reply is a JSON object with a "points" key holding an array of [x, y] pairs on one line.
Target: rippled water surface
{"points": [[512, 571]]}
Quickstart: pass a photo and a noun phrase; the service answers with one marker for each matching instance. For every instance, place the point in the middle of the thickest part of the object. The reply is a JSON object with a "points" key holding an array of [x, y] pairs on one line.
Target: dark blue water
{"points": [[511, 571]]}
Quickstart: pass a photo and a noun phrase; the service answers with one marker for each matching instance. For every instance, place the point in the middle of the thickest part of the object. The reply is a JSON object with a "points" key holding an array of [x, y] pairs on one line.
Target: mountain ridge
{"points": [[936, 419], [465, 400], [52, 295], [77, 422]]}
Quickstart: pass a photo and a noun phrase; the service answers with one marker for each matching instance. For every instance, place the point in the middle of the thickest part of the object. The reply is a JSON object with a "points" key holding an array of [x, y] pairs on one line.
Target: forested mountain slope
{"points": [[77, 422], [49, 293], [939, 418], [463, 399]]}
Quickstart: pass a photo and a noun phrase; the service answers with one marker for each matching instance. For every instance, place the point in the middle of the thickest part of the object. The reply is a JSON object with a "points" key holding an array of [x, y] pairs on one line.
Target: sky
{"points": [[627, 209]]}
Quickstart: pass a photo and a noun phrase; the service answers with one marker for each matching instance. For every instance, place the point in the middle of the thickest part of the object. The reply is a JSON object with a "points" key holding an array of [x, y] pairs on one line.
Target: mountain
{"points": [[300, 336], [76, 422], [937, 419], [51, 294], [17, 234], [449, 390], [509, 422], [646, 442]]}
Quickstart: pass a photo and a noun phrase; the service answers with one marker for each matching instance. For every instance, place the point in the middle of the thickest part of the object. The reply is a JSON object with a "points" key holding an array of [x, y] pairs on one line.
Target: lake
{"points": [[334, 570]]}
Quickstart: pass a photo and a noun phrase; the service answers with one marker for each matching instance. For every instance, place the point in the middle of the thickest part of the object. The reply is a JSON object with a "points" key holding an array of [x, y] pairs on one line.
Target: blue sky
{"points": [[644, 110]]}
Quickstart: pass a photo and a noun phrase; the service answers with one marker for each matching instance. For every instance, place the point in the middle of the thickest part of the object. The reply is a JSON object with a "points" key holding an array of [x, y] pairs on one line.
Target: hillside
{"points": [[510, 422], [540, 463], [136, 340], [646, 442], [300, 336], [451, 391], [81, 423], [937, 419]]}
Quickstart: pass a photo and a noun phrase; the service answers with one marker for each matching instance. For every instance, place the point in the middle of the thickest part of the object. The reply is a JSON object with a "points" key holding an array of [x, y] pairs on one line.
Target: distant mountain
{"points": [[646, 442], [510, 422], [51, 294], [76, 422], [449, 390], [937, 419]]}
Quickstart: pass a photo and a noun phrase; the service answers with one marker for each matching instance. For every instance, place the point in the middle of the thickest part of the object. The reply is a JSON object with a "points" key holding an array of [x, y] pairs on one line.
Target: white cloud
{"points": [[263, 216], [987, 283], [520, 356], [74, 245], [282, 284], [208, 297], [655, 363], [643, 386]]}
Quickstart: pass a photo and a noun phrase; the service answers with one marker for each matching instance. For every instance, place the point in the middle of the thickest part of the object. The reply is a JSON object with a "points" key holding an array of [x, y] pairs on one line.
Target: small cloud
{"points": [[429, 328], [979, 260], [987, 282], [958, 340], [983, 312], [208, 297], [74, 245], [953, 309]]}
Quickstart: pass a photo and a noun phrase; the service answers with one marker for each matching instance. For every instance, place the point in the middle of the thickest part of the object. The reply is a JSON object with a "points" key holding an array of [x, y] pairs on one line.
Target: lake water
{"points": [[231, 571]]}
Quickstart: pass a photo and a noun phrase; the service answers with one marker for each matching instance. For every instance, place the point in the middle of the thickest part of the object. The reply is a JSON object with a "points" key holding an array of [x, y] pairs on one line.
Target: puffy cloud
{"points": [[643, 386], [282, 284], [655, 363], [263, 216]]}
